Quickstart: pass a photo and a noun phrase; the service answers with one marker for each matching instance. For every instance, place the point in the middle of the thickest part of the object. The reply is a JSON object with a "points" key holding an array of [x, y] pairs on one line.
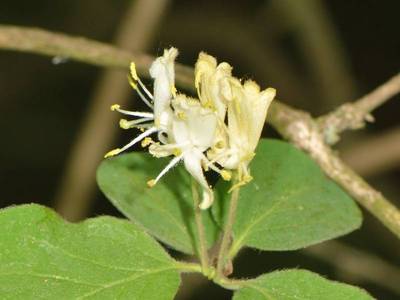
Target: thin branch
{"points": [[202, 251], [52, 44], [297, 126], [353, 115]]}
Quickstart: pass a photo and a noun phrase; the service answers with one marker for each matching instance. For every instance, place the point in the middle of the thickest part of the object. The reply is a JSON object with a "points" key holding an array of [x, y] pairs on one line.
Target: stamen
{"points": [[135, 87], [225, 174], [170, 165], [147, 141], [112, 153], [139, 138], [139, 114], [125, 124], [136, 77], [145, 89]]}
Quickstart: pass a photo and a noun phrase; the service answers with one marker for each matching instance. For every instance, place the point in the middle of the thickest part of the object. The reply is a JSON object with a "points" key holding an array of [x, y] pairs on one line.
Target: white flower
{"points": [[186, 127], [192, 132], [162, 70]]}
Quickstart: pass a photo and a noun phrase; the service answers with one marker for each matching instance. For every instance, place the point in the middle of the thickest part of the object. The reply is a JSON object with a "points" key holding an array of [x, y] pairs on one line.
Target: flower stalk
{"points": [[223, 257], [202, 241]]}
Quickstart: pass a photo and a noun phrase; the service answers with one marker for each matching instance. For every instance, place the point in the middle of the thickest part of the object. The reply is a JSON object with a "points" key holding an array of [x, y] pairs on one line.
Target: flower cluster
{"points": [[218, 131]]}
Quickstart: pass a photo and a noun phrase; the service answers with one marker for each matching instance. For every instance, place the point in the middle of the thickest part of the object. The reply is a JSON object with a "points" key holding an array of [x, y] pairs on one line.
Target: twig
{"points": [[360, 265], [353, 115], [202, 251], [98, 129], [296, 126], [374, 155], [52, 44]]}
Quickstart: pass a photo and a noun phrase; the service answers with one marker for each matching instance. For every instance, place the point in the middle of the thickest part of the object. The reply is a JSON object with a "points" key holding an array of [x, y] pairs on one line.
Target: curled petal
{"points": [[212, 83], [162, 70], [192, 161], [194, 123]]}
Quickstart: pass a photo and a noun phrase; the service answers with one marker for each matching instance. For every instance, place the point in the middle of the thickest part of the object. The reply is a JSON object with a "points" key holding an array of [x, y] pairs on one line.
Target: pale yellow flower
{"points": [[247, 110]]}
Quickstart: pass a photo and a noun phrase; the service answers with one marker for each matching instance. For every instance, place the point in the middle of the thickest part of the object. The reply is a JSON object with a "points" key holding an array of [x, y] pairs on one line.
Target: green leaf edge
{"points": [[248, 284]]}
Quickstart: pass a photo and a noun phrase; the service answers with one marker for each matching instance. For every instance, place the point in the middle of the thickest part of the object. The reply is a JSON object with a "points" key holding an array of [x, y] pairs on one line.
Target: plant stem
{"points": [[187, 267], [202, 247], [226, 239]]}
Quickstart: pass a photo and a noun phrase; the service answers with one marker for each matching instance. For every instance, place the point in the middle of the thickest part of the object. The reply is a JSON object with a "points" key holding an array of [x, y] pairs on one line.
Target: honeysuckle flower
{"points": [[162, 71], [247, 110], [192, 133], [186, 126]]}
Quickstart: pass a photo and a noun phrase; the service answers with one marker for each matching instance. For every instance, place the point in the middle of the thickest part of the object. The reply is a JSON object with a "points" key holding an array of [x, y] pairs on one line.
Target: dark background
{"points": [[43, 104]]}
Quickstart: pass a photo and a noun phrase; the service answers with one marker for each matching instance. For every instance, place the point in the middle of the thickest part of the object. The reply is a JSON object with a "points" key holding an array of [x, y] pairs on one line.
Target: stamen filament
{"points": [[139, 138], [144, 99], [132, 113], [125, 124], [145, 89], [170, 165]]}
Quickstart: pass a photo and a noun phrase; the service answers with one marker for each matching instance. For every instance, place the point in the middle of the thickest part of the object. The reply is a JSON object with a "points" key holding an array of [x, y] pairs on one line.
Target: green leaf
{"points": [[44, 257], [296, 285], [166, 210], [289, 204]]}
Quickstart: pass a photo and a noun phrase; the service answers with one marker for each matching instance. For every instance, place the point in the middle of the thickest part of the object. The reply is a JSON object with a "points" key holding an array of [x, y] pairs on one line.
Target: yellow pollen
{"points": [[141, 129], [115, 107], [133, 84], [151, 183], [177, 152], [112, 153], [133, 71], [124, 124], [208, 104], [181, 115], [226, 175], [173, 90], [220, 145], [147, 141]]}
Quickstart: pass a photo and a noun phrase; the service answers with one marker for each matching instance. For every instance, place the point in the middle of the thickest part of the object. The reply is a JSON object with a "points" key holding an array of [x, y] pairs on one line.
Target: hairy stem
{"points": [[202, 246], [227, 235]]}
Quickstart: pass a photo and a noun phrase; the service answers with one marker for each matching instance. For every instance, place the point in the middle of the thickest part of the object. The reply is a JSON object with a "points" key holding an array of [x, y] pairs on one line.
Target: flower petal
{"points": [[212, 83], [192, 161], [162, 70]]}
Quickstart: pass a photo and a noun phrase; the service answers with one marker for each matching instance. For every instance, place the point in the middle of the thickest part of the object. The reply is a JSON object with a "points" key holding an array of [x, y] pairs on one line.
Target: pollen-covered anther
{"points": [[226, 175], [151, 183], [124, 124], [181, 115], [147, 141], [112, 152], [177, 152], [173, 90], [115, 107], [133, 71]]}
